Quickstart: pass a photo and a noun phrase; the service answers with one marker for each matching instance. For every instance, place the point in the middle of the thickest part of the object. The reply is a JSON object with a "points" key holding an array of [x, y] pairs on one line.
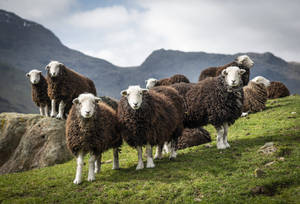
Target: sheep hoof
{"points": [[59, 117], [221, 146], [172, 158], [91, 179], [150, 165], [140, 166], [227, 145], [77, 181], [115, 168]]}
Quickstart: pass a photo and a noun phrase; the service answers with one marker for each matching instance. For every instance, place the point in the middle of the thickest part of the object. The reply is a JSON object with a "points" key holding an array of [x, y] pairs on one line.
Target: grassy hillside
{"points": [[199, 174]]}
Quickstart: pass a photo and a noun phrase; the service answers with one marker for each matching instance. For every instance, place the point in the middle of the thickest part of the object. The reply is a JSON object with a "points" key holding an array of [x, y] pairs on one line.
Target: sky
{"points": [[125, 32]]}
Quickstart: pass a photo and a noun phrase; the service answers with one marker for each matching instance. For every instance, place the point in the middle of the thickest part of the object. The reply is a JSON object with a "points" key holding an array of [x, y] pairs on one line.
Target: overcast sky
{"points": [[125, 32]]}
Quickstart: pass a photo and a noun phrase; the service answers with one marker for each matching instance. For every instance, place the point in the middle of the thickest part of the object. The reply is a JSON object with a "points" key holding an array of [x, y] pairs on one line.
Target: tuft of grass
{"points": [[199, 174]]}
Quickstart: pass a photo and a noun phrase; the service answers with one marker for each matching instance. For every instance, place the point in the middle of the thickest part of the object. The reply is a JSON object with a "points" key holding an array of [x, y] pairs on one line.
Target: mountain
{"points": [[26, 45]]}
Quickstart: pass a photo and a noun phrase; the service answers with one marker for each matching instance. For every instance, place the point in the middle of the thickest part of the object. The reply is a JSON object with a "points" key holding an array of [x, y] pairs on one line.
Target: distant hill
{"points": [[26, 45]]}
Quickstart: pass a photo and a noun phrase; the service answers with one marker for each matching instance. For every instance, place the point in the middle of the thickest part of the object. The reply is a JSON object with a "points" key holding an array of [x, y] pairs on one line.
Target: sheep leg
{"points": [[53, 108], [225, 125], [140, 157], [61, 110], [116, 159], [91, 176], [220, 142], [79, 169], [98, 164], [173, 153], [41, 110], [158, 153], [167, 147], [46, 110], [150, 163]]}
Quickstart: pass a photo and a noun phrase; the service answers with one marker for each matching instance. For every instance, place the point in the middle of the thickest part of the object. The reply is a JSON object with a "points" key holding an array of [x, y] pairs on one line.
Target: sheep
{"points": [[177, 78], [255, 95], [215, 100], [92, 127], [39, 91], [243, 62], [148, 118], [193, 137], [277, 90], [64, 85]]}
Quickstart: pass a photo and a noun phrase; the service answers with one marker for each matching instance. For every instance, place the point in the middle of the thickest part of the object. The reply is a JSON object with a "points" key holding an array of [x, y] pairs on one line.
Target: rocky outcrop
{"points": [[30, 141]]}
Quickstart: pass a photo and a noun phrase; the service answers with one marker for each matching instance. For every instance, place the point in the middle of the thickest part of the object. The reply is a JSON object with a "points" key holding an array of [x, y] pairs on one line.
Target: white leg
{"points": [[98, 164], [220, 134], [158, 152], [244, 114], [79, 169], [91, 176], [150, 163], [167, 148], [116, 159], [53, 108], [41, 110], [225, 125], [61, 110], [173, 153], [140, 157], [46, 110]]}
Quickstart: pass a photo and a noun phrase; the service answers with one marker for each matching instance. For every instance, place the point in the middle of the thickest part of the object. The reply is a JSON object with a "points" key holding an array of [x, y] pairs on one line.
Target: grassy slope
{"points": [[199, 173]]}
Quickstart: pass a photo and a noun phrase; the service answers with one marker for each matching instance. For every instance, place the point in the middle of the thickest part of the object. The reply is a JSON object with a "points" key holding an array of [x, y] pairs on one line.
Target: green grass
{"points": [[199, 174]]}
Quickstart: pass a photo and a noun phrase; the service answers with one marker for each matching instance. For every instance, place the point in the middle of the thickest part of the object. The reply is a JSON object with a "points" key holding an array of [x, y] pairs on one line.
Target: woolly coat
{"points": [[113, 103], [277, 90], [193, 137], [96, 134], [39, 93], [255, 97], [216, 71], [68, 85], [212, 102], [177, 78], [156, 121]]}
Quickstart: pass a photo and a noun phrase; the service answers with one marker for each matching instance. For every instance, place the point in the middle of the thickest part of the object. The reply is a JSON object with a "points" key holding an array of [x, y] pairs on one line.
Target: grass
{"points": [[199, 174]]}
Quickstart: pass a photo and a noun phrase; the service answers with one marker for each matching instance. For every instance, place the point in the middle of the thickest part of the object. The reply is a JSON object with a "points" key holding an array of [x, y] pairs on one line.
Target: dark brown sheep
{"points": [[193, 137], [92, 127], [177, 78], [277, 90], [243, 62], [255, 97], [64, 85], [110, 101], [39, 93], [148, 118], [215, 100]]}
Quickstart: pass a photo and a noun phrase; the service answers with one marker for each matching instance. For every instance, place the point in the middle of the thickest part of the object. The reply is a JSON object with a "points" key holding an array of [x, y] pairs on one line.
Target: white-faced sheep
{"points": [[177, 78], [39, 93], [92, 127], [64, 85], [243, 62], [215, 100], [255, 95], [148, 118]]}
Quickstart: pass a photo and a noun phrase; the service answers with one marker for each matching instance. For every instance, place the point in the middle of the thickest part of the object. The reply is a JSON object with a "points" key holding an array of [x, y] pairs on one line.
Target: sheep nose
{"points": [[88, 112], [233, 81]]}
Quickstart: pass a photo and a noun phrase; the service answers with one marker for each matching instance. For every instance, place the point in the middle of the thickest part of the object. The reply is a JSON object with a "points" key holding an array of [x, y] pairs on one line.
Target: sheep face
{"points": [[34, 76], [245, 61], [261, 80], [86, 104], [54, 68], [233, 75], [134, 95], [150, 83]]}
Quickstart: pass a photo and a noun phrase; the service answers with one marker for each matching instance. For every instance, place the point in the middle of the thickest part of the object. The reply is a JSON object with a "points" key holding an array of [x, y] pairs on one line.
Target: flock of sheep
{"points": [[169, 113]]}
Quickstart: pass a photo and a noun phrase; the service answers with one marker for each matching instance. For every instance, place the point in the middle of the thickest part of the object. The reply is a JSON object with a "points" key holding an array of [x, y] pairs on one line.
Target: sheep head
{"points": [[54, 68], [34, 76], [150, 83], [134, 95], [245, 61], [232, 76], [261, 80], [85, 104]]}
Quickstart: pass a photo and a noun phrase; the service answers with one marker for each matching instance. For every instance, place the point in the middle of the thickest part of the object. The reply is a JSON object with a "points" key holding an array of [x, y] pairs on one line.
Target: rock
{"points": [[260, 190], [30, 141], [270, 163], [281, 158], [259, 173], [268, 148]]}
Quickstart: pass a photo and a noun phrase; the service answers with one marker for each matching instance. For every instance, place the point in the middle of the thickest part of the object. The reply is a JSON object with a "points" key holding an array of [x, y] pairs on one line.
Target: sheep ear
{"points": [[75, 101], [98, 99], [145, 90], [242, 71], [27, 75], [224, 73], [47, 68], [124, 93]]}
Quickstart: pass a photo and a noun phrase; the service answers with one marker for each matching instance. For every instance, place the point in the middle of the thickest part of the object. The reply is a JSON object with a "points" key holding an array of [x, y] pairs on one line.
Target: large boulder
{"points": [[30, 141]]}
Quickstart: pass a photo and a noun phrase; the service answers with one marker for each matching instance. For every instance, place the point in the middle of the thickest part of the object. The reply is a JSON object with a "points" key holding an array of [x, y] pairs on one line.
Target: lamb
{"points": [[148, 118], [39, 91], [64, 85], [277, 90], [255, 96], [243, 62], [177, 78], [92, 127], [215, 100]]}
